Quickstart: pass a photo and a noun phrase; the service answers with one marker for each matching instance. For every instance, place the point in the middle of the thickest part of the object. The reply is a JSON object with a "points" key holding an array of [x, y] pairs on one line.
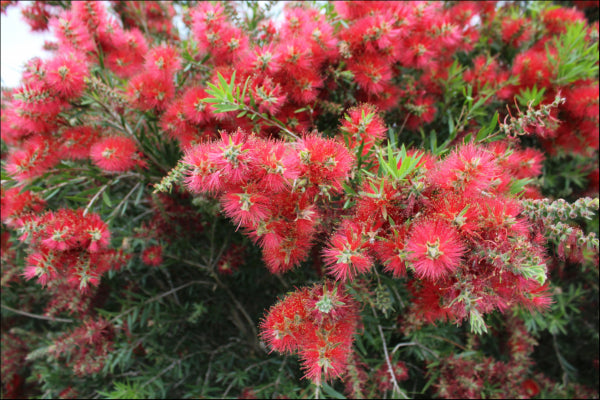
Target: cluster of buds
{"points": [[318, 322], [559, 210], [541, 121]]}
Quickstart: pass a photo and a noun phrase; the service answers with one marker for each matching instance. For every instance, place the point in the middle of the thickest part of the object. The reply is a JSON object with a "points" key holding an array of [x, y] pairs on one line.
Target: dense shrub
{"points": [[387, 199]]}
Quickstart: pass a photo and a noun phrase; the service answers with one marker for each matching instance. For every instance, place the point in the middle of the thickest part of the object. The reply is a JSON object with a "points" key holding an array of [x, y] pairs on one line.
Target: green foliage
{"points": [[575, 58]]}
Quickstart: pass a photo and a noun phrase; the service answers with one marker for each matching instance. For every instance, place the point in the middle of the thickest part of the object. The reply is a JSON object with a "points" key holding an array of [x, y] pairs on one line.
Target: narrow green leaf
{"points": [[331, 391], [106, 199]]}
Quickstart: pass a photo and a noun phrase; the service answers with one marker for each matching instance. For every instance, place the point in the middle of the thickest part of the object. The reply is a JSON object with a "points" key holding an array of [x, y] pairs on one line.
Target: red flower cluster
{"points": [[454, 223], [86, 347], [70, 244], [319, 323], [271, 188]]}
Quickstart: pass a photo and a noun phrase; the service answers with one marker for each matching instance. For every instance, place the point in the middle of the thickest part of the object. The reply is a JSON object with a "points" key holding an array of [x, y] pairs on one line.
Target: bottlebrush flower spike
{"points": [[76, 142], [163, 61], [37, 155], [65, 75], [435, 249], [153, 255], [72, 32], [245, 207], [363, 124], [347, 255], [468, 170], [320, 323], [116, 154]]}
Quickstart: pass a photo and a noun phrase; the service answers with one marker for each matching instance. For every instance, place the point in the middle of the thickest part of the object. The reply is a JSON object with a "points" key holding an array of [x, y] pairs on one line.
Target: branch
{"points": [[36, 316], [389, 364], [158, 297]]}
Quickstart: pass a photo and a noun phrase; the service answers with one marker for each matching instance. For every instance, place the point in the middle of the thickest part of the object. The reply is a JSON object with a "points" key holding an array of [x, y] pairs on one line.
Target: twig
{"points": [[93, 200], [389, 364], [560, 361], [158, 297], [36, 316], [419, 345], [245, 370], [127, 196], [237, 303], [192, 263], [463, 348]]}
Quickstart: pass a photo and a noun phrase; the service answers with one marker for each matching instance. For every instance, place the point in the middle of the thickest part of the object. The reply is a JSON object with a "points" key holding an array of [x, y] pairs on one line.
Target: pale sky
{"points": [[18, 44]]}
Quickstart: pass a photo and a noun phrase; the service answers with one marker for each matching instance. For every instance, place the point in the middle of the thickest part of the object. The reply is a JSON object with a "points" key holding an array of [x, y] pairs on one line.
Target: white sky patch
{"points": [[18, 45]]}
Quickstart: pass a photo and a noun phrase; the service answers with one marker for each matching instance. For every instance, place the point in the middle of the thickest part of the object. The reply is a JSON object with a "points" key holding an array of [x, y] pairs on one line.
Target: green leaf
{"points": [[106, 199], [331, 391]]}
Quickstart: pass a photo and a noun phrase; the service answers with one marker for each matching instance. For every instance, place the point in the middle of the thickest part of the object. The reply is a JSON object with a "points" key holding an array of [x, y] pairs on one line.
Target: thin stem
{"points": [[270, 121], [419, 345], [560, 361], [463, 348], [158, 297], [389, 364], [93, 200], [127, 196], [36, 316]]}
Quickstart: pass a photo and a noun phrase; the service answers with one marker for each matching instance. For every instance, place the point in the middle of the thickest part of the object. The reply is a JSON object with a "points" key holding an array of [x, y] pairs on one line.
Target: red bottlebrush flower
{"points": [[96, 232], [65, 74], [582, 100], [324, 162], [269, 96], [279, 328], [371, 74], [276, 166], [263, 59], [60, 233], [41, 265], [531, 388], [435, 249], [127, 59], [296, 57], [533, 68], [15, 203], [93, 13], [556, 20], [363, 125], [347, 253], [383, 378], [150, 91], [319, 323], [162, 61], [202, 175], [76, 142], [175, 123], [515, 31], [194, 109], [72, 33], [232, 155], [36, 15], [231, 260], [417, 51], [34, 159], [116, 154], [392, 254], [420, 111], [153, 255], [245, 208], [469, 169], [37, 101]]}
